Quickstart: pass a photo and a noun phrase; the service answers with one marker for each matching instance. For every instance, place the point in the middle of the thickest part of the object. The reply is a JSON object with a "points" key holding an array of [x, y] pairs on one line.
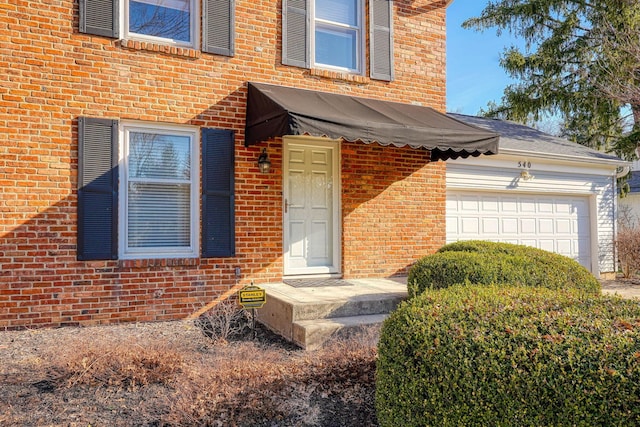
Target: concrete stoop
{"points": [[308, 315]]}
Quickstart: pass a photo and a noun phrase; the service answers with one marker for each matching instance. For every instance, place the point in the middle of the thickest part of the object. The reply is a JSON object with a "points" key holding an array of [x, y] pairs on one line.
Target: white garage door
{"points": [[555, 223]]}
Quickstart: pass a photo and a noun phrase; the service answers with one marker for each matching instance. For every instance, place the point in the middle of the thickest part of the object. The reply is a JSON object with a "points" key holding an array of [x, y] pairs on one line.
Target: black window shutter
{"points": [[295, 33], [218, 195], [100, 17], [97, 189], [218, 26], [381, 37]]}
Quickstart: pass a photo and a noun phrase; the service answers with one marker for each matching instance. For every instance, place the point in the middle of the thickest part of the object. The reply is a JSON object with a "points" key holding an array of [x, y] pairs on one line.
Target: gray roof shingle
{"points": [[521, 138]]}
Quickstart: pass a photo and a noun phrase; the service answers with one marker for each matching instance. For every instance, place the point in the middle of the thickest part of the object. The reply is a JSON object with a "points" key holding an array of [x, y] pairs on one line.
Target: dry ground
{"points": [[626, 288], [170, 373]]}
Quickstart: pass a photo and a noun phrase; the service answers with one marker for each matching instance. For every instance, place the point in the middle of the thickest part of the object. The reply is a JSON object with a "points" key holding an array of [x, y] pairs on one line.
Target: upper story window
{"points": [[331, 34], [338, 34], [166, 20]]}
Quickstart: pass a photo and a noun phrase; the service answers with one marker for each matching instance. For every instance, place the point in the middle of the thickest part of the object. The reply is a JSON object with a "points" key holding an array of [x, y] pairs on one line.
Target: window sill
{"points": [[159, 263], [337, 75], [160, 48]]}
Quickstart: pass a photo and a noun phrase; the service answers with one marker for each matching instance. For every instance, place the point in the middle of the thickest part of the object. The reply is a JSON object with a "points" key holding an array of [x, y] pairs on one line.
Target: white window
{"points": [[337, 36], [165, 21], [159, 182]]}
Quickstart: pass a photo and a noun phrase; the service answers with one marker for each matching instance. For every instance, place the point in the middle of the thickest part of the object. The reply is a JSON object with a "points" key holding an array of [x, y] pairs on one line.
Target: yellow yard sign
{"points": [[252, 296]]}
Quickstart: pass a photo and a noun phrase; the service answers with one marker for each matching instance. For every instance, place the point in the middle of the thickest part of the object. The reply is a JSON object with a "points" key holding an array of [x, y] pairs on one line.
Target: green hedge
{"points": [[480, 262], [509, 356], [484, 246]]}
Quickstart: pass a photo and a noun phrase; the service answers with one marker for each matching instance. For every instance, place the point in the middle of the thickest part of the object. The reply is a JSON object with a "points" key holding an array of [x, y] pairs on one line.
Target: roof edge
{"points": [[556, 156]]}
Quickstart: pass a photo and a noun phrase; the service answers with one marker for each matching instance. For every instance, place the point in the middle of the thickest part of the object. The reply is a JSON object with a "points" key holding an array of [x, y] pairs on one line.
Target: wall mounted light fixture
{"points": [[264, 164], [526, 176]]}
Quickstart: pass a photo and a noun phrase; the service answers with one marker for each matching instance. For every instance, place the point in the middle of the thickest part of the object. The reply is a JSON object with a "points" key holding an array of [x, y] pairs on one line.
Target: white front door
{"points": [[311, 207]]}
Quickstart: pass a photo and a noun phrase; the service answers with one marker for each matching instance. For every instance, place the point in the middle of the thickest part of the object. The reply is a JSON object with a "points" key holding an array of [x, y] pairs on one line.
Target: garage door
{"points": [[555, 223]]}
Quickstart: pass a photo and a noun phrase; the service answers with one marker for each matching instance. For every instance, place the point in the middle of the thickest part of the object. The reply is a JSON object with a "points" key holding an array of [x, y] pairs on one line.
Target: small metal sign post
{"points": [[252, 297]]}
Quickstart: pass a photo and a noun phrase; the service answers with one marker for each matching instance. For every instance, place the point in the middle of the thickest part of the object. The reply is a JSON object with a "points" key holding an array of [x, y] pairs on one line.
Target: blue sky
{"points": [[474, 75]]}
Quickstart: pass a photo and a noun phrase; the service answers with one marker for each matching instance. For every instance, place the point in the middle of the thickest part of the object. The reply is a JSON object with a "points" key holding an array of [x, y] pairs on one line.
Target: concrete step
{"points": [[360, 305], [311, 334], [310, 315]]}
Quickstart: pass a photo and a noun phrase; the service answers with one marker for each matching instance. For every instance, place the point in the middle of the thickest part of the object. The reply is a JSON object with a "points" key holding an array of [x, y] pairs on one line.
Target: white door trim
{"points": [[334, 147]]}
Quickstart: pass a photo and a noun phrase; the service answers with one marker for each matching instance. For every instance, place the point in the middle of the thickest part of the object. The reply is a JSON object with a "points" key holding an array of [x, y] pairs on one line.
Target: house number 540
{"points": [[524, 165]]}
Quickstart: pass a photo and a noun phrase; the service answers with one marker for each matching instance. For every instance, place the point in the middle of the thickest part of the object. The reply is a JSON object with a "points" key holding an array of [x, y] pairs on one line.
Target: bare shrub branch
{"points": [[628, 247], [227, 320]]}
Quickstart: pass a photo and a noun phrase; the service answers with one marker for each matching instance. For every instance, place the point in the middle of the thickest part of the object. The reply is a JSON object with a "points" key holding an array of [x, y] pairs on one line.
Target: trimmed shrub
{"points": [[509, 356], [481, 262], [484, 246]]}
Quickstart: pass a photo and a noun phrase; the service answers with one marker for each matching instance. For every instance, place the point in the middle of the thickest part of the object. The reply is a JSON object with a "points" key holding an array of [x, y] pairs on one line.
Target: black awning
{"points": [[276, 111]]}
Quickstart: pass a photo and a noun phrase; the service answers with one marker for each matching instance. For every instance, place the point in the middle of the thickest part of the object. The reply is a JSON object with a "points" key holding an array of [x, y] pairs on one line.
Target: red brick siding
{"points": [[50, 75], [393, 208]]}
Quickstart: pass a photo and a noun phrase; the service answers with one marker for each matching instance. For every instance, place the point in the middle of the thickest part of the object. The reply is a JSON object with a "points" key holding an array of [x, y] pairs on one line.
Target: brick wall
{"points": [[50, 75], [393, 208]]}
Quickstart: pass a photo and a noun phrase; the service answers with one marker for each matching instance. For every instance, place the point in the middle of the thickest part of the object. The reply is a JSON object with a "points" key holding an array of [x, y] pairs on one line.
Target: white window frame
{"points": [[194, 28], [360, 44], [191, 251]]}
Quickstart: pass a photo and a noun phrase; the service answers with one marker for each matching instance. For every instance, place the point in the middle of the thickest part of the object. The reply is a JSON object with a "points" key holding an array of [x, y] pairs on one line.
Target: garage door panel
{"points": [[452, 204], [452, 228], [582, 246], [546, 244], [528, 225], [582, 207], [558, 224], [566, 208], [529, 242], [470, 226], [491, 226], [545, 225], [565, 247], [469, 204], [510, 225], [565, 226], [528, 205], [545, 206], [490, 204], [509, 204]]}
